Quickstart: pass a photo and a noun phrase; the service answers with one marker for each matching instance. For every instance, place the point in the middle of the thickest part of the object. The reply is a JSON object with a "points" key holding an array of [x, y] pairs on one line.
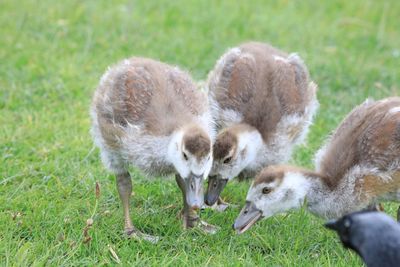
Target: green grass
{"points": [[52, 55]]}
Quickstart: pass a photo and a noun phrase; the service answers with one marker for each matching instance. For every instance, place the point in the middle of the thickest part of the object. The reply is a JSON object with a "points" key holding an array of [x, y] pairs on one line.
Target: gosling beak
{"points": [[332, 225], [192, 188], [214, 189], [247, 217]]}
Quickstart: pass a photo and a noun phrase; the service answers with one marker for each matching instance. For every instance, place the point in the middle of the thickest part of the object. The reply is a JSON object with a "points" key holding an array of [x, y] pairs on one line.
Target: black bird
{"points": [[373, 235]]}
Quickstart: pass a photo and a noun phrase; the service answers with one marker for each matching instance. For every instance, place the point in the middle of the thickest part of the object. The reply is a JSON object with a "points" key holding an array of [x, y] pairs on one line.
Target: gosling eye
{"points": [[185, 156], [266, 190], [227, 160]]}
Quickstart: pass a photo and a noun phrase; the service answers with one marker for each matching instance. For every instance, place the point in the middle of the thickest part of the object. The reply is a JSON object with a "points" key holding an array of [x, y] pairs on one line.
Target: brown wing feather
{"points": [[153, 95], [371, 187], [139, 88], [235, 83], [241, 84], [366, 136], [124, 94], [341, 151], [380, 145], [261, 88]]}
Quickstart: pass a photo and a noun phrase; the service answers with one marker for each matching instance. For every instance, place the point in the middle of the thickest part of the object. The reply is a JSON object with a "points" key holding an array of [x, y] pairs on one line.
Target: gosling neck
{"points": [[324, 201]]}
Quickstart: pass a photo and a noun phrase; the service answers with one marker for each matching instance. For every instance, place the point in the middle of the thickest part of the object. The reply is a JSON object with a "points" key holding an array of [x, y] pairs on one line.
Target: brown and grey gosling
{"points": [[263, 102], [358, 166], [150, 115]]}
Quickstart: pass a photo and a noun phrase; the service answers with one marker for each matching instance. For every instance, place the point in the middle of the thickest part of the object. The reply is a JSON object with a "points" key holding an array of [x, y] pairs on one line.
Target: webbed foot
{"points": [[220, 205], [190, 218], [136, 234], [208, 228]]}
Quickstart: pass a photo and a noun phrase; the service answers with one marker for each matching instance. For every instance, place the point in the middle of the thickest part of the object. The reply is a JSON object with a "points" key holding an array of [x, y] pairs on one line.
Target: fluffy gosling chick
{"points": [[358, 166], [263, 102], [149, 115]]}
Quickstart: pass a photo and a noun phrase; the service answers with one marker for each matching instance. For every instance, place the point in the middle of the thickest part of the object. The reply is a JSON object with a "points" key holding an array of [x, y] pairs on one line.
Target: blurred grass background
{"points": [[52, 55]]}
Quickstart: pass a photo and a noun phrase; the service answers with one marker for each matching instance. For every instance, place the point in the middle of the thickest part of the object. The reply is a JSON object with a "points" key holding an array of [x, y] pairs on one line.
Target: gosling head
{"points": [[228, 162], [276, 189], [190, 153], [234, 149]]}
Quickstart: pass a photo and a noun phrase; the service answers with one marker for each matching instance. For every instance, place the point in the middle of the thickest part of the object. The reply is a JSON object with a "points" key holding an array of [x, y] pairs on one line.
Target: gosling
{"points": [[357, 167], [262, 102], [150, 115]]}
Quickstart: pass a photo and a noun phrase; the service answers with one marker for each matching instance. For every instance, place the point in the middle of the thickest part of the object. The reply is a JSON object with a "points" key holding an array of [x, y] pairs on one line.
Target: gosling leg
{"points": [[124, 186], [220, 205]]}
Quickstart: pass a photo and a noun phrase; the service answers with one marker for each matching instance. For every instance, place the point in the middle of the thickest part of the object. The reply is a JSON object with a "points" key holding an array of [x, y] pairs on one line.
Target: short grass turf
{"points": [[52, 55]]}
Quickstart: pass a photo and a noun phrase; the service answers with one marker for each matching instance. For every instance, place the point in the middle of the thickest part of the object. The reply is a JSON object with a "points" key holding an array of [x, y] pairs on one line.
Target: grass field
{"points": [[52, 54]]}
